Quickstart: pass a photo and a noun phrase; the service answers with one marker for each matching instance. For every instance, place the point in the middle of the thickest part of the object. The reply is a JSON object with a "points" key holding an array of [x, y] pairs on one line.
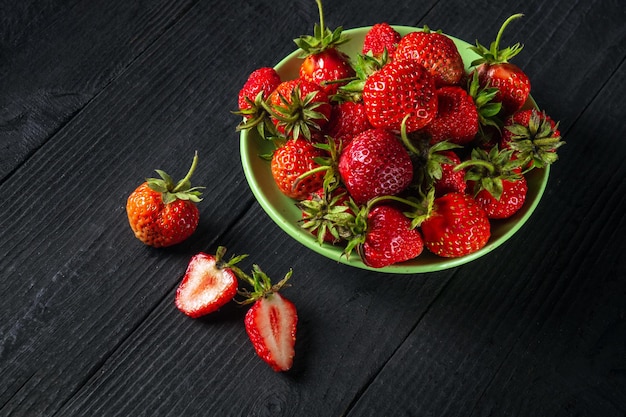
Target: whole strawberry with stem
{"points": [[324, 64], [436, 52], [208, 284], [298, 108], [496, 182], [495, 70], [252, 96], [399, 89], [162, 212], [533, 136], [271, 322]]}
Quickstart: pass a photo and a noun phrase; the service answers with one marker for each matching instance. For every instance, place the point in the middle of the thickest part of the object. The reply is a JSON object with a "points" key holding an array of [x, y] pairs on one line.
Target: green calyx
{"points": [[220, 263], [323, 38], [256, 116], [297, 115], [326, 214], [489, 169], [181, 190], [261, 284], [536, 142], [493, 54], [483, 97]]}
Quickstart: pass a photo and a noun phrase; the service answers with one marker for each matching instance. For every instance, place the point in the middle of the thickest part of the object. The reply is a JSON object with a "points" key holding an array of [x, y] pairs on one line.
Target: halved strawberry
{"points": [[209, 283], [271, 322]]}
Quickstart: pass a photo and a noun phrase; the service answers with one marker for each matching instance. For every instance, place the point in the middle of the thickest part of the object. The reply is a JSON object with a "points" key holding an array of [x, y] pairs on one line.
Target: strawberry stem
{"points": [[496, 43], [185, 182], [319, 7]]}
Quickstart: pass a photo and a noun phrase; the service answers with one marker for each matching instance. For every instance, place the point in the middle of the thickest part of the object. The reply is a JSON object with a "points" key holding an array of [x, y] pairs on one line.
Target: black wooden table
{"points": [[94, 95]]}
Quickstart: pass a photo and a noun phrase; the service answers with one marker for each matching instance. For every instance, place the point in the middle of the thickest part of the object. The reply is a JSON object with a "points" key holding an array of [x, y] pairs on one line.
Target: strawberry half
{"points": [[271, 322], [209, 283]]}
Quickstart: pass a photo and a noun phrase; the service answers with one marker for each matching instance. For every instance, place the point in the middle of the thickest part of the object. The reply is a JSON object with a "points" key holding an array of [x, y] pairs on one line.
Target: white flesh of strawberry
{"points": [[203, 285], [275, 319]]}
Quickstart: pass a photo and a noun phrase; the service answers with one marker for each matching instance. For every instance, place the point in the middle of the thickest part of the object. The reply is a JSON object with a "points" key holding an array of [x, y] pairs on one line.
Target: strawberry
{"points": [[495, 70], [163, 213], [298, 108], [389, 238], [457, 117], [496, 182], [455, 226], [448, 179], [400, 90], [271, 322], [257, 88], [380, 38], [347, 119], [209, 283], [323, 63], [534, 137], [325, 214], [291, 162], [436, 52], [375, 163]]}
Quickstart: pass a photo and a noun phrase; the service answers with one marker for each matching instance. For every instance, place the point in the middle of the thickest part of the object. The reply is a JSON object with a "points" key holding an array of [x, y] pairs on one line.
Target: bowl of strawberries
{"points": [[394, 148]]}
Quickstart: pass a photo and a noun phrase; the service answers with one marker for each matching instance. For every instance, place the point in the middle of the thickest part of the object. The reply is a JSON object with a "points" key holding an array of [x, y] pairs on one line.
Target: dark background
{"points": [[94, 95]]}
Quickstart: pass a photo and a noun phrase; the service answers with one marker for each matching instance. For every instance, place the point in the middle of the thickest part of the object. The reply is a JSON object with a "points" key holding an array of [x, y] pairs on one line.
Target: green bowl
{"points": [[285, 214]]}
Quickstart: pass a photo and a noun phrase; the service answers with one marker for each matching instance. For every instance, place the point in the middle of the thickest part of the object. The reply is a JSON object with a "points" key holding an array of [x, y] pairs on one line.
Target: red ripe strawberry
{"points": [[271, 322], [449, 180], [512, 198], [534, 137], [209, 283], [163, 213], [379, 38], [323, 63], [436, 52], [347, 120], [373, 164], [457, 117], [495, 180], [298, 108], [263, 80], [289, 164], [456, 226], [495, 70], [389, 238], [401, 89]]}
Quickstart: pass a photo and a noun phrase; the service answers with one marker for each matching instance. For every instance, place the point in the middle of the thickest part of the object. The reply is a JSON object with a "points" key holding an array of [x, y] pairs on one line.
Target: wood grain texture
{"points": [[94, 97]]}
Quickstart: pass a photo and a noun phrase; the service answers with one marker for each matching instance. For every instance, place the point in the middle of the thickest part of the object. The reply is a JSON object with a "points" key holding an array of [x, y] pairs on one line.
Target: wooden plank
{"points": [[56, 58]]}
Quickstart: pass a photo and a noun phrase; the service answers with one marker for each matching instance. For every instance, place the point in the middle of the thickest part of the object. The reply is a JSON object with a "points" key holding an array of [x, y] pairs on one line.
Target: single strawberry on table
{"points": [[208, 284], [271, 322], [324, 64], [436, 52], [495, 70], [162, 212]]}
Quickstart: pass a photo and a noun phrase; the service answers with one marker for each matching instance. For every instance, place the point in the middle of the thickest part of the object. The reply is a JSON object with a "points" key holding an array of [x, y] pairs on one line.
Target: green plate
{"points": [[285, 214]]}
